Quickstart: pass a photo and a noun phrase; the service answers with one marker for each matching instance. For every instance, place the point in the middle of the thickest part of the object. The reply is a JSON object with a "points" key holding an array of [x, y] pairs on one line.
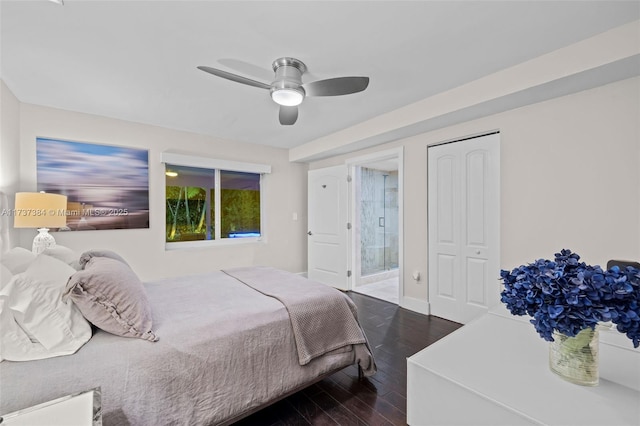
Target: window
{"points": [[211, 204], [239, 204], [190, 204]]}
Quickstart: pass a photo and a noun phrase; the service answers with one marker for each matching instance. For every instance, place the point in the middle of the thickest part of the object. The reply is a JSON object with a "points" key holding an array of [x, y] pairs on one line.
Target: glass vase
{"points": [[575, 359]]}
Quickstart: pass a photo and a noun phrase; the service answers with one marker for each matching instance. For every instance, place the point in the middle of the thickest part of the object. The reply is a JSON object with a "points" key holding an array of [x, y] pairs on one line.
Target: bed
{"points": [[225, 348]]}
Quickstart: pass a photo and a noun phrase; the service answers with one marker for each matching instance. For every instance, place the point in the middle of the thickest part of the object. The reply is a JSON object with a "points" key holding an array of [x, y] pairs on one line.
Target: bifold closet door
{"points": [[464, 227]]}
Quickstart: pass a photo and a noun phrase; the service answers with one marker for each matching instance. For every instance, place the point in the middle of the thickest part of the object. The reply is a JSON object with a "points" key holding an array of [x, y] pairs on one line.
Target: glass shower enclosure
{"points": [[378, 225]]}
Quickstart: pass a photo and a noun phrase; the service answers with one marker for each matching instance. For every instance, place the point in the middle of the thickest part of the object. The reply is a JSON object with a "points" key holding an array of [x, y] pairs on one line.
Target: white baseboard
{"points": [[416, 305], [411, 303]]}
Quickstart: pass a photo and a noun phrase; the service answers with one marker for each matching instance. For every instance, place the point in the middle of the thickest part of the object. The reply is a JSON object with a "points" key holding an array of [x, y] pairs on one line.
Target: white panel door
{"points": [[464, 227], [327, 236]]}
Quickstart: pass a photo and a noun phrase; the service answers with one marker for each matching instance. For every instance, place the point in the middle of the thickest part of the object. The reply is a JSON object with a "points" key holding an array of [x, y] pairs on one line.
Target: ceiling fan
{"points": [[287, 88]]}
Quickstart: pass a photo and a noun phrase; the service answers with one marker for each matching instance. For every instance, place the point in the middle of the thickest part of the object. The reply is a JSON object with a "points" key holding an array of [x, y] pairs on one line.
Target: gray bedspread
{"points": [[309, 304], [224, 348]]}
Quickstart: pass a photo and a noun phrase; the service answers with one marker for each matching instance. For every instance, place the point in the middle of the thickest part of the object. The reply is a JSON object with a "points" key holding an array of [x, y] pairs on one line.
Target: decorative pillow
{"points": [[35, 322], [64, 254], [17, 259], [5, 276], [88, 255], [110, 295]]}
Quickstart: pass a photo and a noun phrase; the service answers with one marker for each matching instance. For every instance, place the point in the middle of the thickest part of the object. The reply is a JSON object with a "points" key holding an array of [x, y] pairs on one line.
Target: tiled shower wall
{"points": [[378, 220]]}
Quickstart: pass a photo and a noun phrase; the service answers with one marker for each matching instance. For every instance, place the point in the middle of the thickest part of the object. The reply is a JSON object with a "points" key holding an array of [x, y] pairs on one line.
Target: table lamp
{"points": [[42, 211]]}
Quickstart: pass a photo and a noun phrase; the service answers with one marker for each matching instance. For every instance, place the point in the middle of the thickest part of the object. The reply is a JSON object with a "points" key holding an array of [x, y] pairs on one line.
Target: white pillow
{"points": [[35, 322], [5, 276], [64, 254], [17, 259]]}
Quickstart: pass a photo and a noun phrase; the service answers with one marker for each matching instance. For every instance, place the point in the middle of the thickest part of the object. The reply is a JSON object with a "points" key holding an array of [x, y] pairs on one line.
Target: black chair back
{"points": [[622, 264]]}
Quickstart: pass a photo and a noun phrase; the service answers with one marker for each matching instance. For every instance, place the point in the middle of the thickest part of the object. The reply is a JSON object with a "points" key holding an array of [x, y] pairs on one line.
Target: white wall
{"points": [[569, 179], [284, 194], [9, 150]]}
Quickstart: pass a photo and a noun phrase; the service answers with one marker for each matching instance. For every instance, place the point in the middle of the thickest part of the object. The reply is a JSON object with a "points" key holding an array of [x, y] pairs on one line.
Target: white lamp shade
{"points": [[40, 210]]}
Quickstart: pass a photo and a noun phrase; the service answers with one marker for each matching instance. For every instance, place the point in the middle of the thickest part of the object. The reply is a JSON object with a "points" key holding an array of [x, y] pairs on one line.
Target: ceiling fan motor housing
{"points": [[288, 74]]}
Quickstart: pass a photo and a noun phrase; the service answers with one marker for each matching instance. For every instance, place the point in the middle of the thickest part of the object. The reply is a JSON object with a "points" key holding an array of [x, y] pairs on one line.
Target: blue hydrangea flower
{"points": [[568, 296]]}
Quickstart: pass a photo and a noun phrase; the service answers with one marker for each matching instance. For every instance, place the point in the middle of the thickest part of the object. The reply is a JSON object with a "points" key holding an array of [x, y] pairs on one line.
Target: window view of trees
{"points": [[191, 210], [186, 213]]}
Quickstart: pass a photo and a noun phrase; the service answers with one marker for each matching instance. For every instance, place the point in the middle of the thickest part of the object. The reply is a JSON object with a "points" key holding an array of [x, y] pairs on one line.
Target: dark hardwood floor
{"points": [[342, 399]]}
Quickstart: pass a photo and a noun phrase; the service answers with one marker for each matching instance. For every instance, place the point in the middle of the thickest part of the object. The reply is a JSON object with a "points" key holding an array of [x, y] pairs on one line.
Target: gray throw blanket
{"points": [[309, 304]]}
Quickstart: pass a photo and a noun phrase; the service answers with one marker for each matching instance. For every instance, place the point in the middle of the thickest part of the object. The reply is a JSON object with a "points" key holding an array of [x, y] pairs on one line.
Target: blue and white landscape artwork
{"points": [[107, 187]]}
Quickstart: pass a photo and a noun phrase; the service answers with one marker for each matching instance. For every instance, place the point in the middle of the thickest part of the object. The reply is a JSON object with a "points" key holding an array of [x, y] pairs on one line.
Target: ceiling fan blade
{"points": [[336, 86], [234, 77], [288, 115], [246, 68]]}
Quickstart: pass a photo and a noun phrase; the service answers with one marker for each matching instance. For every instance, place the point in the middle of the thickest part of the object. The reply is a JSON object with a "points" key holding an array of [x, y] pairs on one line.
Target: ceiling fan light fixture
{"points": [[287, 96], [287, 89]]}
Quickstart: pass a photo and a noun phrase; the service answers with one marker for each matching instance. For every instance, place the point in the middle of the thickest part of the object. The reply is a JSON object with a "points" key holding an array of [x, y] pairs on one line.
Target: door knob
{"points": [[477, 251], [309, 233]]}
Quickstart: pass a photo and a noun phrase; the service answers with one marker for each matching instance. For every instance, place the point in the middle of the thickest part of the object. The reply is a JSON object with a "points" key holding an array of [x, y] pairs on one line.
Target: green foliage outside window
{"points": [[191, 210], [240, 212], [186, 213]]}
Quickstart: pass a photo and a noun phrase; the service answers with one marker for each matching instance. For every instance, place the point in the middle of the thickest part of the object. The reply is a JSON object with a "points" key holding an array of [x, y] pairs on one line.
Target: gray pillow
{"points": [[110, 296], [87, 255]]}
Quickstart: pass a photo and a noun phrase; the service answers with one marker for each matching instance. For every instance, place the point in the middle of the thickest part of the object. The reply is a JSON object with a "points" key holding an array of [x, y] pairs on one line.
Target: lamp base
{"points": [[42, 241]]}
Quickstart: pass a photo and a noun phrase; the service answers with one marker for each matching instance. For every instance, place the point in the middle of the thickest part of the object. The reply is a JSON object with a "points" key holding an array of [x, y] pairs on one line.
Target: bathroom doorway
{"points": [[376, 218]]}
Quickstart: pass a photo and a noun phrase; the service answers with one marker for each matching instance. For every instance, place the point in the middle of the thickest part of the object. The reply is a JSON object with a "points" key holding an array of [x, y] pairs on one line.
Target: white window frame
{"points": [[217, 165]]}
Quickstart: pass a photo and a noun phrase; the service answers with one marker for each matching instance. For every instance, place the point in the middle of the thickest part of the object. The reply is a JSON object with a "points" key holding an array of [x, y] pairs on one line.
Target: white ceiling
{"points": [[136, 60]]}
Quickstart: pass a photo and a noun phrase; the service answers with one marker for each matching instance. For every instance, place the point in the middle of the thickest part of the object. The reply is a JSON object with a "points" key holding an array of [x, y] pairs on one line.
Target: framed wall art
{"points": [[107, 187]]}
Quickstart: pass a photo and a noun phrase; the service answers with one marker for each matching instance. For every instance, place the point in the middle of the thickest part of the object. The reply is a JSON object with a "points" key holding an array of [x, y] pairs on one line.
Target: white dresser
{"points": [[494, 371]]}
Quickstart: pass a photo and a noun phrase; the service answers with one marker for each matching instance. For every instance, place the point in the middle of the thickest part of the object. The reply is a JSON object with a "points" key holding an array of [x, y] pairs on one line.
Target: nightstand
{"points": [[80, 409]]}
